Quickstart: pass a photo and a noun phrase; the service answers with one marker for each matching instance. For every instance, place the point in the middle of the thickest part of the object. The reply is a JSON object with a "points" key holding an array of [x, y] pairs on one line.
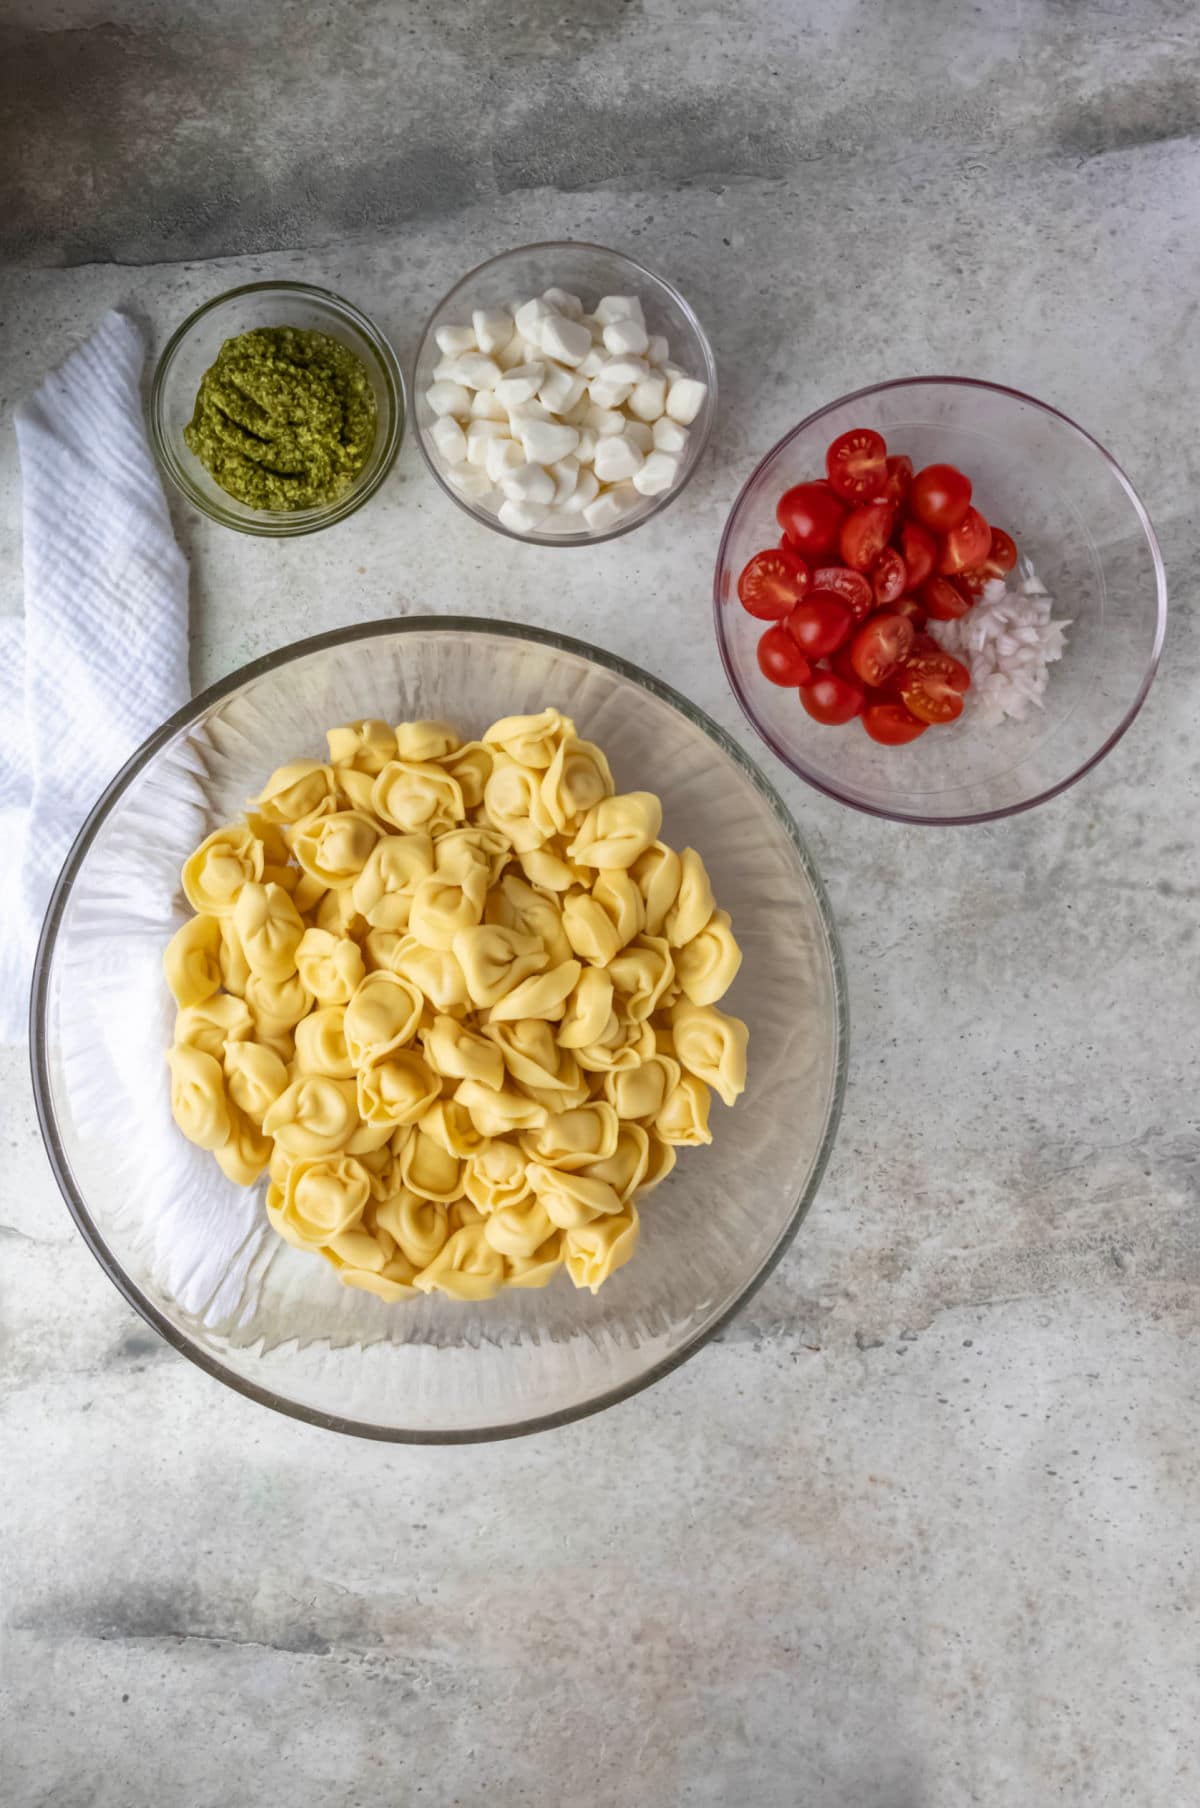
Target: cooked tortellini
{"points": [[456, 1000]]}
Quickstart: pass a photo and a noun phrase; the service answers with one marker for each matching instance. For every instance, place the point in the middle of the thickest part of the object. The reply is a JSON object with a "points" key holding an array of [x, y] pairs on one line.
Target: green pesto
{"points": [[284, 419]]}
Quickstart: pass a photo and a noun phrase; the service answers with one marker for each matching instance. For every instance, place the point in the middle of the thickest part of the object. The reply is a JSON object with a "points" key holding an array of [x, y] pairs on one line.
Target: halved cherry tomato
{"points": [[851, 586], [943, 599], [880, 647], [941, 496], [935, 662], [864, 534], [887, 577], [930, 697], [773, 583], [820, 624], [780, 659], [857, 464], [892, 724], [966, 545], [811, 516], [831, 699], [919, 551], [909, 606], [1002, 556], [898, 482]]}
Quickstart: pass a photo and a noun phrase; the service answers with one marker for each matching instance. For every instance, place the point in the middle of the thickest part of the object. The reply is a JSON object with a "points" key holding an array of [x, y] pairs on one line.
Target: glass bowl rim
{"points": [[914, 816], [39, 1055], [273, 524], [619, 528]]}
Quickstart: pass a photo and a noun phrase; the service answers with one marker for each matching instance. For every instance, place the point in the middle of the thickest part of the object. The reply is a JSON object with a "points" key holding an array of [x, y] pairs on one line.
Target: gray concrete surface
{"points": [[920, 1531]]}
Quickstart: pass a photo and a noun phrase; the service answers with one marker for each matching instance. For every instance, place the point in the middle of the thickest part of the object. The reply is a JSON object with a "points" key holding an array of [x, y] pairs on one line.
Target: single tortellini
{"points": [[461, 851], [712, 1046], [707, 966], [494, 960], [600, 922], [512, 802], [515, 904], [461, 1054], [198, 1102], [660, 1161], [620, 1044], [617, 831], [471, 767], [419, 1227], [364, 746], [429, 1170], [588, 1009], [244, 1154], [192, 960], [657, 874], [226, 860], [355, 790], [269, 928], [434, 972], [639, 1093], [277, 1004], [466, 1267], [418, 797], [254, 1077], [360, 1261], [545, 995], [314, 1116], [641, 974], [382, 1016], [694, 905], [577, 778], [533, 1057], [625, 1168], [321, 1043], [572, 1199], [495, 1178], [235, 969], [214, 1023], [499, 1113], [451, 1127], [594, 1251], [398, 1089], [519, 1230], [538, 1269], [419, 742], [295, 790], [682, 1118], [530, 740], [441, 907], [331, 966], [323, 1197], [572, 1140], [335, 847], [383, 892], [549, 867]]}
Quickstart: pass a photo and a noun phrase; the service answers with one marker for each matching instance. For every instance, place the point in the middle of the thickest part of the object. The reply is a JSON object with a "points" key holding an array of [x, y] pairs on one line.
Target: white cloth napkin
{"points": [[102, 656]]}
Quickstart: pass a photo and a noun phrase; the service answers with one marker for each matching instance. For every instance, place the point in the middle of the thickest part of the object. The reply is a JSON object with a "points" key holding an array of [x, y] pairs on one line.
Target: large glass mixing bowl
{"points": [[274, 1323]]}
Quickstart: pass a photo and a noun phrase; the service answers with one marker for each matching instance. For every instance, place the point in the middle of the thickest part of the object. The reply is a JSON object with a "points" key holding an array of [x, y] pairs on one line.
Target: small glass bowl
{"points": [[193, 348], [589, 271], [1073, 514]]}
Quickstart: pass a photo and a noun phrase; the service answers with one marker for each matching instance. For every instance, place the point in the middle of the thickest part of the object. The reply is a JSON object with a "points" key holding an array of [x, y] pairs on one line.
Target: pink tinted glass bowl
{"points": [[1072, 512]]}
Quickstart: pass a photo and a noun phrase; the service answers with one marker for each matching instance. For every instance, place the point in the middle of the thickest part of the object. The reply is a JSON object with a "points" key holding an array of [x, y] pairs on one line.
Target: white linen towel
{"points": [[102, 656]]}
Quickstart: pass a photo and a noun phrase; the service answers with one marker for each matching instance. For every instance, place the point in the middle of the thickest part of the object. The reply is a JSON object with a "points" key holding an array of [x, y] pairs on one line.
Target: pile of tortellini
{"points": [[457, 1001]]}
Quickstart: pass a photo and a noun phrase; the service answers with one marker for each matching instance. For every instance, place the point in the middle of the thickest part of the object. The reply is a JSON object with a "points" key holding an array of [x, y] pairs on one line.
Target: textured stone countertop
{"points": [[919, 1530]]}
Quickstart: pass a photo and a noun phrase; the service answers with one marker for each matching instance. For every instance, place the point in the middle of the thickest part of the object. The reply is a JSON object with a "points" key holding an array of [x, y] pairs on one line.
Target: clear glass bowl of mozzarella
{"points": [[1087, 560], [563, 393]]}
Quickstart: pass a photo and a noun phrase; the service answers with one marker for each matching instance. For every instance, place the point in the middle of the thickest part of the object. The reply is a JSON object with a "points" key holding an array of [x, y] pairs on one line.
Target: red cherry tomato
{"points": [[811, 517], [940, 497], [780, 659], [910, 607], [851, 586], [966, 545], [892, 724], [887, 577], [919, 551], [773, 583], [864, 534], [1003, 554], [820, 624], [880, 648], [930, 697], [831, 699], [943, 599], [857, 464], [932, 661], [898, 482]]}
